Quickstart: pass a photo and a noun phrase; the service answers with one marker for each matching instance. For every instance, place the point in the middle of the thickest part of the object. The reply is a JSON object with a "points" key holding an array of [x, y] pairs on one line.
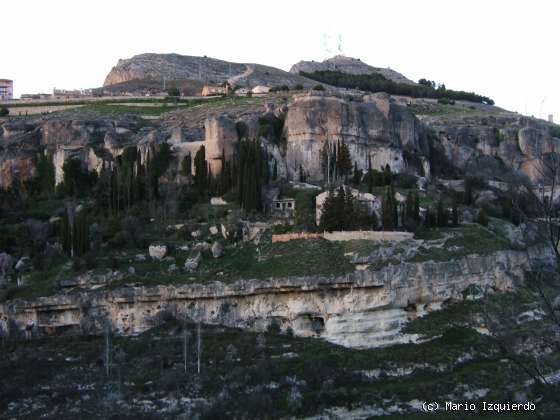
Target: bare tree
{"points": [[199, 347]]}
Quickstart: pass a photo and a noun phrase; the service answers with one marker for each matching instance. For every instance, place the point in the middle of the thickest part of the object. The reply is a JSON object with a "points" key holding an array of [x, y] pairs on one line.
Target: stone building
{"points": [[209, 90]]}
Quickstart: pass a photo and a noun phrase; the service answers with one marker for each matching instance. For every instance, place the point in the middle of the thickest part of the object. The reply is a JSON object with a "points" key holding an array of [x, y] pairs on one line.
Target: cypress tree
{"points": [[468, 195], [328, 220], [387, 175], [442, 214], [340, 208], [482, 218], [388, 209], [357, 176], [201, 171], [454, 215], [416, 212], [409, 207], [343, 161]]}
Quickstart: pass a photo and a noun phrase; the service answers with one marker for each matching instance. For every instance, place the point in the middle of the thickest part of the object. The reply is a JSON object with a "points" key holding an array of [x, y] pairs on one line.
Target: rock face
{"points": [[361, 309], [348, 65], [180, 67], [374, 128], [492, 146], [220, 142]]}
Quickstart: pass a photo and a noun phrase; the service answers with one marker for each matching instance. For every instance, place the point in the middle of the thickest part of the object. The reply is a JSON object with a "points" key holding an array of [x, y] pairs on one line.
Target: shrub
{"points": [[378, 83], [4, 112], [318, 87], [446, 101], [299, 86]]}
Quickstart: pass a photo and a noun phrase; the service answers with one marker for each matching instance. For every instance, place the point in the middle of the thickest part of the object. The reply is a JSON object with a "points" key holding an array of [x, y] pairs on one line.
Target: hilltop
{"points": [[349, 65], [174, 67]]}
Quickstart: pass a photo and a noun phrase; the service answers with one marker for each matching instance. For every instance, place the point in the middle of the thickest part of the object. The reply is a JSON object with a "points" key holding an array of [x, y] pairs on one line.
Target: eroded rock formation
{"points": [[361, 309], [373, 127]]}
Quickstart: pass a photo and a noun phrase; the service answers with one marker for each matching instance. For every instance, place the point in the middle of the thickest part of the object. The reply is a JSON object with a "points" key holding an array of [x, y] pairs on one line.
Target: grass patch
{"points": [[466, 240]]}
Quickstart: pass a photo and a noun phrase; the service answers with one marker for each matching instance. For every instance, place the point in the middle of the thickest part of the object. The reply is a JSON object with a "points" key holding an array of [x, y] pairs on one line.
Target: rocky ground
{"points": [[244, 374]]}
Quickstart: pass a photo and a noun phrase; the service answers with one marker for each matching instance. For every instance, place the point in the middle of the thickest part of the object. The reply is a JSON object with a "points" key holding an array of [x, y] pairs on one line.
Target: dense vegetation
{"points": [[378, 83]]}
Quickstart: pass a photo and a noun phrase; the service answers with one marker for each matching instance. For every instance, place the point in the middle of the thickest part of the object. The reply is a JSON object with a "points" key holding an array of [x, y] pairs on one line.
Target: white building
{"points": [[6, 89]]}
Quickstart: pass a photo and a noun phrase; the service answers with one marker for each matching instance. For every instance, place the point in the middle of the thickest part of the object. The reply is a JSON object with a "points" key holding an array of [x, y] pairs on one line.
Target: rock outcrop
{"points": [[361, 309], [494, 146], [221, 139], [373, 127]]}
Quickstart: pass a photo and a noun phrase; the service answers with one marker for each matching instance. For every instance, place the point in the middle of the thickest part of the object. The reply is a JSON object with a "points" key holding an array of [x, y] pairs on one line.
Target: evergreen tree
{"points": [[46, 174], [389, 210], [431, 219], [468, 195], [357, 176], [416, 212], [387, 175], [343, 160], [409, 207], [201, 171], [275, 171], [442, 214], [455, 215], [328, 221], [251, 175], [482, 218]]}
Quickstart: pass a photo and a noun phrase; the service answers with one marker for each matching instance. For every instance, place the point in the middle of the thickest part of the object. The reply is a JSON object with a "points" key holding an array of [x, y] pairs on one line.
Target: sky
{"points": [[507, 50]]}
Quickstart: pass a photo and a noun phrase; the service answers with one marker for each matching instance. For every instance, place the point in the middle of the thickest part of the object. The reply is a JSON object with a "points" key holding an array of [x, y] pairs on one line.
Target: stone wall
{"points": [[351, 235], [360, 309]]}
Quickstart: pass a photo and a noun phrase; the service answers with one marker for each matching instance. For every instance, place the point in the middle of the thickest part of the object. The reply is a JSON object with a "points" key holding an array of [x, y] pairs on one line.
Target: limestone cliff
{"points": [[361, 309], [373, 127], [492, 146]]}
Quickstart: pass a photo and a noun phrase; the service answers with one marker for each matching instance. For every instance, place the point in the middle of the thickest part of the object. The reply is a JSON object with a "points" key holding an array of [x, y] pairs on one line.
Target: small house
{"points": [[283, 208], [209, 90]]}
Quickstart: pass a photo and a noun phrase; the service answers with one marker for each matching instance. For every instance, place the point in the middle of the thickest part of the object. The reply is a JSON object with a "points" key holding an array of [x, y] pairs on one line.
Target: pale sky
{"points": [[507, 50]]}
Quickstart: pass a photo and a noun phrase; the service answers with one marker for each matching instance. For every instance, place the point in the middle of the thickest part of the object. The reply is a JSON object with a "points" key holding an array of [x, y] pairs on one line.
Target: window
{"points": [[277, 205], [290, 205]]}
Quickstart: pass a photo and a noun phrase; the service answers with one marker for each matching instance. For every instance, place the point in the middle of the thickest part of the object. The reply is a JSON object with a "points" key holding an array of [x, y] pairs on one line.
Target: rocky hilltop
{"points": [[348, 65], [173, 67]]}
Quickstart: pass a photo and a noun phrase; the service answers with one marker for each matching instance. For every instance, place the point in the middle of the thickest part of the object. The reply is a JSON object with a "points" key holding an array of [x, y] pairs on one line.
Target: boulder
{"points": [[24, 264], [214, 230], [217, 250], [140, 257], [201, 246], [192, 263], [157, 252], [486, 198], [172, 268], [217, 201]]}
